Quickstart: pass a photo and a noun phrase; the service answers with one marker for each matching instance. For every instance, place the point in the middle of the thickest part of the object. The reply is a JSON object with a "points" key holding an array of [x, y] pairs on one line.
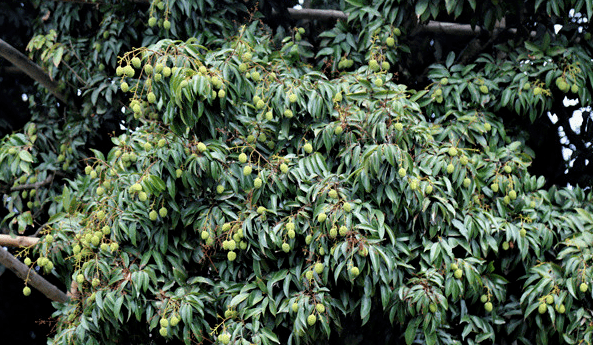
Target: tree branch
{"points": [[18, 241], [30, 68], [31, 277], [312, 14], [35, 185]]}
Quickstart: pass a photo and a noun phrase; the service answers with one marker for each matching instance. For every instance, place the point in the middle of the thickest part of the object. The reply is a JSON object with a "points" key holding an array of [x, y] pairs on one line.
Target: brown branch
{"points": [[313, 13], [18, 241], [30, 68], [31, 277], [35, 185]]}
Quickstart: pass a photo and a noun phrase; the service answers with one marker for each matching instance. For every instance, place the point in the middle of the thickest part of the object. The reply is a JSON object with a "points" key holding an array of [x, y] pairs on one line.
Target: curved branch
{"points": [[35, 185], [30, 68], [31, 277], [18, 241]]}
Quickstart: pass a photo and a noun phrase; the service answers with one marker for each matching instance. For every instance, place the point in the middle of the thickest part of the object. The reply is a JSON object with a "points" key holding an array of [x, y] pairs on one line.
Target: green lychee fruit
{"points": [[320, 308], [378, 82], [231, 256], [390, 41], [311, 319], [484, 298], [291, 233], [574, 88], [466, 182], [174, 321], [354, 271], [202, 147], [292, 98], [484, 89], [319, 268], [309, 275], [542, 308], [561, 308], [247, 170], [220, 189], [522, 232], [152, 21], [343, 230], [454, 267], [136, 62], [583, 287], [432, 307], [505, 245], [205, 235], [458, 273], [428, 189], [488, 306], [494, 187], [444, 81], [26, 291], [166, 24], [257, 183], [397, 32], [338, 130], [261, 210], [295, 307], [347, 207], [450, 168], [285, 247], [308, 148], [487, 127], [463, 160], [402, 172], [308, 239], [242, 157], [452, 151], [163, 212], [288, 113], [512, 195], [321, 217], [549, 299], [333, 194], [80, 279], [283, 168], [153, 215], [399, 127], [374, 65]]}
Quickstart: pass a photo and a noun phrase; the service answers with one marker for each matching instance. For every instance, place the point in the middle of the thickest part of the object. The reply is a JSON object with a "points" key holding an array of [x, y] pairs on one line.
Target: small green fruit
{"points": [[166, 25], [205, 235], [452, 151], [343, 230], [321, 217], [26, 291], [311, 319], [231, 256], [261, 210], [450, 168], [505, 245], [428, 189], [242, 157], [390, 41], [484, 298], [484, 89], [542, 308], [202, 147], [487, 127], [561, 308], [295, 307], [153, 215], [285, 247], [378, 82], [354, 271], [444, 81], [247, 170], [309, 275], [163, 332], [291, 233], [454, 267], [319, 268], [257, 183], [488, 306], [549, 299], [494, 187], [288, 113], [174, 321], [338, 130], [432, 307], [399, 127], [163, 212], [320, 308], [458, 273], [308, 148], [583, 287], [80, 279], [347, 207], [152, 22], [292, 98], [463, 160], [402, 172], [513, 195], [523, 233], [333, 194], [308, 239], [466, 182]]}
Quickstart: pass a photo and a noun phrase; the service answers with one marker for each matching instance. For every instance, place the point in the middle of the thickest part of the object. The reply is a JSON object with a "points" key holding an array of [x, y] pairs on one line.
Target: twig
{"points": [[30, 68], [31, 277], [18, 241]]}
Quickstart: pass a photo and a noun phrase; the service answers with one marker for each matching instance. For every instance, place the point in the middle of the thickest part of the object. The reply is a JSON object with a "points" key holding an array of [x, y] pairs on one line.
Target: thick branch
{"points": [[35, 185], [312, 14], [18, 241], [32, 278], [30, 68]]}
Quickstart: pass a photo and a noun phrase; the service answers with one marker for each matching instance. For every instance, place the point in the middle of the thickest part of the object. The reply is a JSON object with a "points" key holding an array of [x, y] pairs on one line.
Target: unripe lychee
{"points": [[288, 113], [261, 210], [153, 215], [463, 160], [494, 187], [319, 268], [142, 196], [402, 172], [152, 21], [166, 24], [488, 306], [444, 81], [513, 195], [549, 299], [487, 127], [347, 207], [428, 189], [283, 168], [338, 130], [242, 157], [458, 273], [454, 267], [466, 182], [247, 170], [320, 308], [484, 298], [321, 217], [354, 271], [374, 65], [26, 291], [292, 98], [163, 212], [583, 287], [308, 148], [542, 308], [343, 230], [231, 256], [311, 319], [202, 147], [308, 239], [484, 89], [450, 168], [390, 41], [432, 307], [452, 151]]}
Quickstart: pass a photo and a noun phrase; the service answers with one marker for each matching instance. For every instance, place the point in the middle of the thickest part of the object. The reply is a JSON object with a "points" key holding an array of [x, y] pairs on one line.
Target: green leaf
{"points": [[25, 156], [410, 333]]}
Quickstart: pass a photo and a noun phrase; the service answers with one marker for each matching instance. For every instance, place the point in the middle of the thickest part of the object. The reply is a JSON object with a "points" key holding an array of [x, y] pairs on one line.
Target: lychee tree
{"points": [[259, 191]]}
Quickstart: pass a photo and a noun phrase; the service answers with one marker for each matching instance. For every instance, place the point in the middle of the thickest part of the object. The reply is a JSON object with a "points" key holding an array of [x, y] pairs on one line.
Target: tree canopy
{"points": [[234, 172]]}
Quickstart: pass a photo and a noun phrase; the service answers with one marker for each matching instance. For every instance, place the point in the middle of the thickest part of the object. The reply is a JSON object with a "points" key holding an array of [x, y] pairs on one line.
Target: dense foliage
{"points": [[218, 180]]}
